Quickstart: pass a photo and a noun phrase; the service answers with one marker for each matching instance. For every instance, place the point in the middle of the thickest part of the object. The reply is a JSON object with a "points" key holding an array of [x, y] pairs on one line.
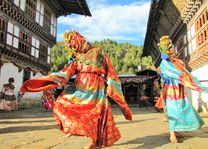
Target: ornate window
{"points": [[180, 49], [20, 4], [31, 8], [26, 74], [35, 47], [53, 25], [47, 20], [43, 53], [12, 35], [3, 25], [49, 56], [39, 12], [202, 29], [24, 43]]}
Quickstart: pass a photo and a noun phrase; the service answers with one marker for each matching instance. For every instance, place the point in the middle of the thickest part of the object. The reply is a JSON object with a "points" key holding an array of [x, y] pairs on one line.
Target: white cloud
{"points": [[117, 22]]}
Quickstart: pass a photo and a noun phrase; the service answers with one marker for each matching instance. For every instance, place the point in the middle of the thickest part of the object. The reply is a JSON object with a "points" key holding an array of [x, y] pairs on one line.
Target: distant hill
{"points": [[125, 57]]}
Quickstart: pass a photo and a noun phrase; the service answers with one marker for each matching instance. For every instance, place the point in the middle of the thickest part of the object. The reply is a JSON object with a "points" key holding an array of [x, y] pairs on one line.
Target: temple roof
{"points": [[140, 77], [163, 18], [151, 25], [74, 6]]}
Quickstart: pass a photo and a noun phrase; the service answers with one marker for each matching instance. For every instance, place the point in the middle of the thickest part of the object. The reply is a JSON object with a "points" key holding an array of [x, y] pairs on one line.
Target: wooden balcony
{"points": [[200, 56]]}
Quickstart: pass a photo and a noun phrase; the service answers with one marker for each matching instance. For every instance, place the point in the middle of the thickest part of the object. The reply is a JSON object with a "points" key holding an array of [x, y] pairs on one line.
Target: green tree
{"points": [[124, 56]]}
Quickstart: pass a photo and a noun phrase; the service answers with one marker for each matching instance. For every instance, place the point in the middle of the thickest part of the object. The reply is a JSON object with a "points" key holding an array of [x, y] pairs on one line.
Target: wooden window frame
{"points": [[35, 46], [47, 19], [53, 25], [3, 28], [30, 8], [40, 15], [25, 41], [43, 53], [13, 34], [20, 3]]}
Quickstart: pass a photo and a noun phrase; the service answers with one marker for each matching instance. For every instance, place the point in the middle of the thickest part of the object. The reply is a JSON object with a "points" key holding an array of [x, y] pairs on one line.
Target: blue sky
{"points": [[119, 20]]}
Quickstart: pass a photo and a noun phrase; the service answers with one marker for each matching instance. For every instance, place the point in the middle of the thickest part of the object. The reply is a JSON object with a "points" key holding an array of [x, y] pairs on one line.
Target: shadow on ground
{"points": [[158, 140], [26, 128], [134, 121], [26, 113], [135, 110], [32, 121]]}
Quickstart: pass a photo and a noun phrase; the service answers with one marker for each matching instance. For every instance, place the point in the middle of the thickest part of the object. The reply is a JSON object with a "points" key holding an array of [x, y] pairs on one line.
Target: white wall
{"points": [[200, 99], [9, 70]]}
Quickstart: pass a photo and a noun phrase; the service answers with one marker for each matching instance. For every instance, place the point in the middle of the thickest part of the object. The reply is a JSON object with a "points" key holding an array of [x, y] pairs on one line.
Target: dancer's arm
{"points": [[114, 90], [177, 71], [49, 81]]}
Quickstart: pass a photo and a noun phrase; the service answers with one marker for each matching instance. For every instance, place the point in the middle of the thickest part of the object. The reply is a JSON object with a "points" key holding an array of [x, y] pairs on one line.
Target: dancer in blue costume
{"points": [[181, 114]]}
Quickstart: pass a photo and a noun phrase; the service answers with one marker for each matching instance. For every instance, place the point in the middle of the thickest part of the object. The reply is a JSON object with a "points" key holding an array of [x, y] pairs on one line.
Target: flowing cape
{"points": [[83, 107]]}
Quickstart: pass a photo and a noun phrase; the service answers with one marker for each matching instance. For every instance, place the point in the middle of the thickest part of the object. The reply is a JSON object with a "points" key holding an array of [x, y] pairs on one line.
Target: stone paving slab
{"points": [[36, 129]]}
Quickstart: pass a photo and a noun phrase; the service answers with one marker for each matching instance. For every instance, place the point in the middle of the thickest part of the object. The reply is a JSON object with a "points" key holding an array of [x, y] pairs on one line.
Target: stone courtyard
{"points": [[36, 128]]}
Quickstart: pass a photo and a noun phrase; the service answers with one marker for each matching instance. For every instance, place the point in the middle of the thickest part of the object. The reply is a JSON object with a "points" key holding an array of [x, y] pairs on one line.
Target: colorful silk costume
{"points": [[181, 114], [83, 108]]}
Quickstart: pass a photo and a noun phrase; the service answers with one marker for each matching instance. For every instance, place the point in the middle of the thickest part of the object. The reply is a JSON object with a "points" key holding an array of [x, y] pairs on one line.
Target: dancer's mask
{"points": [[73, 41], [166, 47]]}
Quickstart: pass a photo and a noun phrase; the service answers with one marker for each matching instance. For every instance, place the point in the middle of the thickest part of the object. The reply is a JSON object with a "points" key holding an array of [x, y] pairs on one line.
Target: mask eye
{"points": [[73, 47]]}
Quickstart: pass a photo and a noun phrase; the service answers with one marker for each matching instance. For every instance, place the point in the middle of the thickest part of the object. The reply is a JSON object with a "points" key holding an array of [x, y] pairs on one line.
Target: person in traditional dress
{"points": [[84, 109], [8, 100], [48, 99], [181, 114]]}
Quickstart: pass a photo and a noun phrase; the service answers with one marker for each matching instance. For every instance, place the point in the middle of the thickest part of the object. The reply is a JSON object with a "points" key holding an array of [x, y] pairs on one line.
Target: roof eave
{"points": [[155, 4]]}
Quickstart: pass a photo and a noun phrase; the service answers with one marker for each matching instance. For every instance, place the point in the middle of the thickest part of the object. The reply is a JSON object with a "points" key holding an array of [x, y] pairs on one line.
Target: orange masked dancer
{"points": [[84, 109]]}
